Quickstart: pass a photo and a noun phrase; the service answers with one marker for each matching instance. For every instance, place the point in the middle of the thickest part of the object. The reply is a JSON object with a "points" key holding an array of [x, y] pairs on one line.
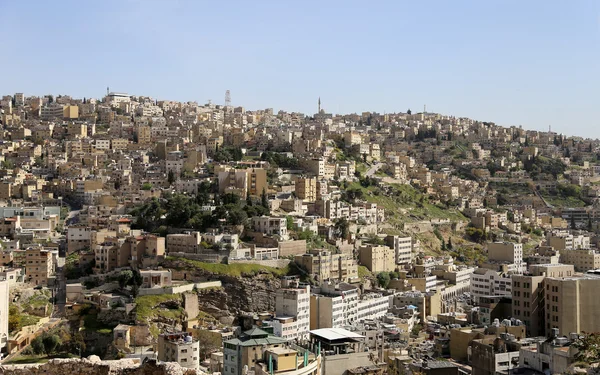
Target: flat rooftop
{"points": [[332, 334]]}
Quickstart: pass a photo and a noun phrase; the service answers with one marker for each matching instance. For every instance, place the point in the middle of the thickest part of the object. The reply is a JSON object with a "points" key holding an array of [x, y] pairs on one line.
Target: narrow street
{"points": [[374, 168]]}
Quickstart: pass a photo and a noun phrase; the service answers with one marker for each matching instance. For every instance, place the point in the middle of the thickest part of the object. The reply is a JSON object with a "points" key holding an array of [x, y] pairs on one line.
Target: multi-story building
{"points": [[248, 349], [292, 311], [184, 243], [39, 266], [507, 252], [272, 226], [377, 258], [251, 181], [306, 189], [78, 238], [488, 282], [373, 306], [180, 348], [582, 260], [334, 307], [402, 247], [323, 265], [51, 112], [572, 303]]}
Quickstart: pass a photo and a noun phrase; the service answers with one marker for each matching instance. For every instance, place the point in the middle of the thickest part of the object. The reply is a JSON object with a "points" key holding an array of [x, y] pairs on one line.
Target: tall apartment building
{"points": [[334, 307], [180, 348], [251, 181], [528, 295], [323, 265], [377, 258], [306, 189], [292, 311], [402, 248], [488, 282], [39, 266], [572, 304], [509, 252]]}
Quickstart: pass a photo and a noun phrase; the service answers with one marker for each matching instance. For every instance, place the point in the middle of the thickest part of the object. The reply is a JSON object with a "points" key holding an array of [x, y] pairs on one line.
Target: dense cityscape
{"points": [[141, 232]]}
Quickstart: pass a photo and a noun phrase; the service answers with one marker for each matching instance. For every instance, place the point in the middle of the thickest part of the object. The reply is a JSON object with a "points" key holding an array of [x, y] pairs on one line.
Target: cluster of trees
{"points": [[477, 235], [539, 164], [384, 278], [226, 154], [182, 211], [58, 341], [278, 160], [430, 133]]}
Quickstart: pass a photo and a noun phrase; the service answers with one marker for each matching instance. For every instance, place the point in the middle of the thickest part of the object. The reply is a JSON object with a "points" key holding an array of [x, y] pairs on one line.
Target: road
{"points": [[374, 168]]}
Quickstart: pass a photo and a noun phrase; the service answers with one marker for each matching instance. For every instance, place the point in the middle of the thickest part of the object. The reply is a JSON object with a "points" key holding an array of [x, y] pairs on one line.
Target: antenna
{"points": [[227, 98]]}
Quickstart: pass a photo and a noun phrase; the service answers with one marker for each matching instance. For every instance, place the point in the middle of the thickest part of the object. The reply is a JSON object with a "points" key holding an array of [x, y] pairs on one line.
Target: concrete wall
{"points": [[338, 364], [287, 248], [180, 289], [277, 263]]}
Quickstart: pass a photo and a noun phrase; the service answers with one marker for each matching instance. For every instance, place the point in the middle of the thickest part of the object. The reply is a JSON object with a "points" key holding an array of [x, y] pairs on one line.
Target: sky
{"points": [[534, 63]]}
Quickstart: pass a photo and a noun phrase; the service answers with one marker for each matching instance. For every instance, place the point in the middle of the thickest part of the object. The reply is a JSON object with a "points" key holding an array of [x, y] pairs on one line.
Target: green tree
{"points": [[383, 278], [171, 177], [51, 342], [289, 222], [342, 228], [37, 346], [14, 318], [146, 186], [125, 278]]}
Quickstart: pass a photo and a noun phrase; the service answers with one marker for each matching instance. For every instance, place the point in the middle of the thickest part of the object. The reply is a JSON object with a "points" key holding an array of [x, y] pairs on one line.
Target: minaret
{"points": [[319, 111]]}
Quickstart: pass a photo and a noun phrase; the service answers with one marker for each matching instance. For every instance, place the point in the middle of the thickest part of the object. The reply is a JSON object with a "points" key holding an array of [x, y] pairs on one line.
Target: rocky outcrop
{"points": [[94, 366], [248, 293], [239, 295]]}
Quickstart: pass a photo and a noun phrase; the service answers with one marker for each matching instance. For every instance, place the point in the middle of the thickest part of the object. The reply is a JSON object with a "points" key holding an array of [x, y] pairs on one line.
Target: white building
{"points": [[488, 282], [402, 247], [180, 348], [274, 226], [373, 306], [292, 313]]}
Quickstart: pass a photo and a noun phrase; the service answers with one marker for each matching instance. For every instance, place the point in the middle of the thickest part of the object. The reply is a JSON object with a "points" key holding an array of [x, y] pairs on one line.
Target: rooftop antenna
{"points": [[227, 98]]}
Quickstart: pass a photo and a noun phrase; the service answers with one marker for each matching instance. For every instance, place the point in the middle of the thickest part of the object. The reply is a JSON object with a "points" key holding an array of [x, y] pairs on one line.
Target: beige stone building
{"points": [[572, 304], [306, 188], [377, 258], [323, 265], [39, 266]]}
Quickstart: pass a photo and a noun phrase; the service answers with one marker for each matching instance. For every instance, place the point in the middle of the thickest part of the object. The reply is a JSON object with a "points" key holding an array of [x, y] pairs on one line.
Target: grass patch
{"points": [[235, 269], [364, 272], [146, 307], [559, 201], [91, 323], [28, 320], [32, 358]]}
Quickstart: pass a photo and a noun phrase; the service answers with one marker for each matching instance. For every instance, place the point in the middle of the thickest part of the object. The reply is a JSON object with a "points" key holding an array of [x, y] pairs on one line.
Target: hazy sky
{"points": [[526, 62]]}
